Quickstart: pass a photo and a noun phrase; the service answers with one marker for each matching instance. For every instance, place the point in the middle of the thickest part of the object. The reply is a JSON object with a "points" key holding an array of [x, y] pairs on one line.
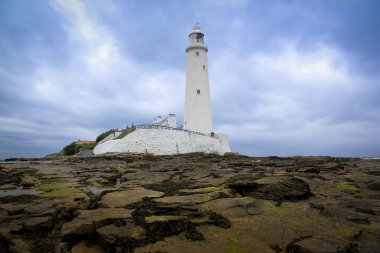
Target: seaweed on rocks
{"points": [[169, 187], [219, 220]]}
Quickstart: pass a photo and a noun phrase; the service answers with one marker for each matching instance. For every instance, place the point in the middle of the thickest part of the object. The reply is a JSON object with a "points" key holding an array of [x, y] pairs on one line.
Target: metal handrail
{"points": [[148, 126]]}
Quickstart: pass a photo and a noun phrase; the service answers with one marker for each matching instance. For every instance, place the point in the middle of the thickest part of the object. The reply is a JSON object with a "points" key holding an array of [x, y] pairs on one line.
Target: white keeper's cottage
{"points": [[165, 136]]}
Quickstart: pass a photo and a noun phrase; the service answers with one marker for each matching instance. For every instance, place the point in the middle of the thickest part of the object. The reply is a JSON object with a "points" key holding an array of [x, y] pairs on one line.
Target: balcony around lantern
{"points": [[196, 45]]}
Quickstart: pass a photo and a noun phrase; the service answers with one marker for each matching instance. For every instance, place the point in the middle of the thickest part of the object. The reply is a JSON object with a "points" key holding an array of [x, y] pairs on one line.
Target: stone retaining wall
{"points": [[165, 142]]}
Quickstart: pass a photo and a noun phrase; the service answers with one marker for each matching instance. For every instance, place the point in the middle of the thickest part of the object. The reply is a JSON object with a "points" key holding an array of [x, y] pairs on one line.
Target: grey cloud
{"points": [[286, 79]]}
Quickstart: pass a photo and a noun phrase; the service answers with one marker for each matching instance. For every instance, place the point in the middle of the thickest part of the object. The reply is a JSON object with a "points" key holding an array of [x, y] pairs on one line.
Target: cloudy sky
{"points": [[287, 77]]}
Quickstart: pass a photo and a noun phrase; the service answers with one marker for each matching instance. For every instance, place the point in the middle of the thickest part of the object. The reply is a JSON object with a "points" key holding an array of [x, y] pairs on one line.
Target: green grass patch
{"points": [[74, 148], [95, 183], [201, 190], [235, 247], [347, 186], [46, 187], [90, 146], [121, 168], [275, 213], [210, 189], [125, 133], [60, 183], [370, 228], [340, 233], [115, 213], [104, 135]]}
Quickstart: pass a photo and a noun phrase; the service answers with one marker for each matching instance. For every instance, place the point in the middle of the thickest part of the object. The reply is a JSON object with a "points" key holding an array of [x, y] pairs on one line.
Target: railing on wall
{"points": [[147, 126]]}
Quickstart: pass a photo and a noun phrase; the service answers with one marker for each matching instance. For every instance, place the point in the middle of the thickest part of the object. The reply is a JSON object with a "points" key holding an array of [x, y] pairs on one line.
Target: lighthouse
{"points": [[165, 136], [197, 116]]}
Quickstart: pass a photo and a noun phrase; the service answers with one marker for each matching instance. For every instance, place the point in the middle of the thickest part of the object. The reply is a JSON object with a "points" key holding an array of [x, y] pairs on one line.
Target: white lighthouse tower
{"points": [[164, 136], [197, 95]]}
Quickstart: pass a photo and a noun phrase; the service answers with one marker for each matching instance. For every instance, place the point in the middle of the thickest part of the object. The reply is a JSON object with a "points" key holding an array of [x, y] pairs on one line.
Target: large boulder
{"points": [[278, 188], [28, 182]]}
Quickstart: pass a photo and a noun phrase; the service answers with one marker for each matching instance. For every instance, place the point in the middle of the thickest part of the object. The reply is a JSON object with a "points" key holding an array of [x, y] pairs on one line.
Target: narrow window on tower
{"points": [[196, 53], [204, 67], [198, 92]]}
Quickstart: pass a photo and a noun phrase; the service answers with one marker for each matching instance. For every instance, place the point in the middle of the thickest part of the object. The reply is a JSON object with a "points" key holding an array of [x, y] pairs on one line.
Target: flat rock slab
{"points": [[3, 216], [112, 233], [12, 209], [200, 190], [314, 245], [226, 203], [41, 208], [229, 207], [19, 246], [374, 186], [104, 216], [191, 199], [77, 227], [88, 220], [164, 218], [37, 223], [16, 228], [8, 186], [211, 204], [364, 206], [216, 240], [277, 188], [124, 198], [101, 213], [84, 247]]}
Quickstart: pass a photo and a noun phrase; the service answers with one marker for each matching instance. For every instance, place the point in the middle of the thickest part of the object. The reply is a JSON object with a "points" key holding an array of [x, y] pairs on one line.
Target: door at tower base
{"points": [[165, 142]]}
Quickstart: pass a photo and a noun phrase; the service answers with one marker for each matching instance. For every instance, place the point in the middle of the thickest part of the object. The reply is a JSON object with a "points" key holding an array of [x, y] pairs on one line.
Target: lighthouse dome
{"points": [[196, 29]]}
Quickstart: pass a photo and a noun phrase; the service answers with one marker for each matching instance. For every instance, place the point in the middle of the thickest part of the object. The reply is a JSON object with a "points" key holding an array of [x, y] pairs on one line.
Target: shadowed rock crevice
{"points": [[169, 187], [4, 244], [219, 220]]}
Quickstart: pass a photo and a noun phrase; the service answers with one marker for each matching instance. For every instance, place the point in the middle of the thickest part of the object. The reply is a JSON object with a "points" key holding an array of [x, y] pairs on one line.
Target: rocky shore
{"points": [[190, 203]]}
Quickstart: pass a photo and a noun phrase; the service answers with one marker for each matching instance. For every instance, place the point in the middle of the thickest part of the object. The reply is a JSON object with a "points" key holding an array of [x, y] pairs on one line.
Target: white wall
{"points": [[225, 140], [172, 120], [164, 142]]}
